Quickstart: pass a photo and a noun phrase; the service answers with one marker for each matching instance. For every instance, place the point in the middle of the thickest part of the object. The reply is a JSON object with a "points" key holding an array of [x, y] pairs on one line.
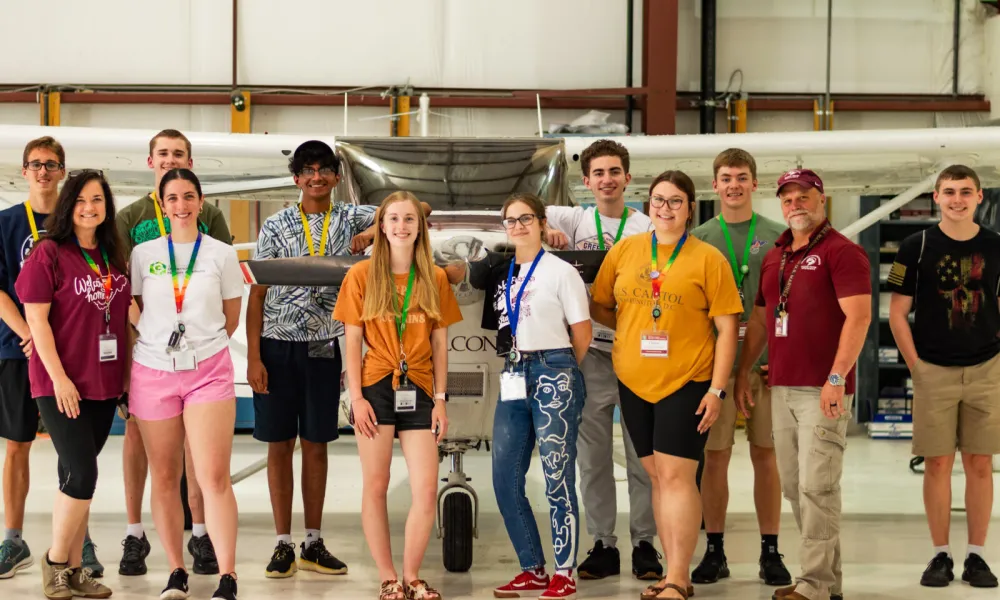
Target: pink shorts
{"points": [[157, 395]]}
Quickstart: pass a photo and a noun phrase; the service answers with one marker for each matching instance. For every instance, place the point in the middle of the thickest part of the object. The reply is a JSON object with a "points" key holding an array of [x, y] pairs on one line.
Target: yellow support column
{"points": [[239, 210], [49, 105], [403, 123], [741, 115]]}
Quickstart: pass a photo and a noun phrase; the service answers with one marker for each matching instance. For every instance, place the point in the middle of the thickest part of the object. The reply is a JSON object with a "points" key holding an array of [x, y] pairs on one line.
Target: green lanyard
{"points": [[401, 320], [656, 276], [600, 230], [739, 270], [105, 280]]}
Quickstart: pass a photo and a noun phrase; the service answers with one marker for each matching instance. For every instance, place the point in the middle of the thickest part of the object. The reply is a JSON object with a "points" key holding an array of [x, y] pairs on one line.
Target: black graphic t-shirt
{"points": [[955, 289], [15, 242]]}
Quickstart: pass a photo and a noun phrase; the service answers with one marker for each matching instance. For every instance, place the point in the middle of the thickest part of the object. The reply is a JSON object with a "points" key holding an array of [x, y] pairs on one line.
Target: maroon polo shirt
{"points": [[835, 268]]}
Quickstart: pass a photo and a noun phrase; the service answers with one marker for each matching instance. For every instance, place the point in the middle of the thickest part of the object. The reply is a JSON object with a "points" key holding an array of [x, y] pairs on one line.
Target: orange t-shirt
{"points": [[380, 335]]}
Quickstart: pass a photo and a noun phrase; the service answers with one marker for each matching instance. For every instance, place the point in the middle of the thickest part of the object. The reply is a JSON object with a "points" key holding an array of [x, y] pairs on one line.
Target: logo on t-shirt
{"points": [[960, 282], [93, 289], [811, 262], [27, 244], [500, 301], [757, 245], [157, 268], [148, 230]]}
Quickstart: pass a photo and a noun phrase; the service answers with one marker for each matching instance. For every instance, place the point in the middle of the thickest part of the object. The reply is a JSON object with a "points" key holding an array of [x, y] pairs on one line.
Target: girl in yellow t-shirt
{"points": [[400, 305], [666, 293]]}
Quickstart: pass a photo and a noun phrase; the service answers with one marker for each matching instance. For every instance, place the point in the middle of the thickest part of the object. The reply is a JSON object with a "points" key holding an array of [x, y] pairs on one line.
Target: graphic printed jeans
{"points": [[551, 415]]}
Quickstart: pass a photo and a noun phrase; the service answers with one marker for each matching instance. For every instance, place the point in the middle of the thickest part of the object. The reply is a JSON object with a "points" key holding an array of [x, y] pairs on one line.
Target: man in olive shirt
{"points": [[140, 222], [743, 237]]}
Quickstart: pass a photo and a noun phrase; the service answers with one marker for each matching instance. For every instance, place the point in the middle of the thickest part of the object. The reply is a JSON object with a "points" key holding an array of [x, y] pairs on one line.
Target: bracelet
{"points": [[440, 396]]}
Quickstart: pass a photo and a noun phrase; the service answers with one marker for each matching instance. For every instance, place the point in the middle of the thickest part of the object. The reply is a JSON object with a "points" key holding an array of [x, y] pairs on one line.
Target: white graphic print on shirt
{"points": [[92, 289]]}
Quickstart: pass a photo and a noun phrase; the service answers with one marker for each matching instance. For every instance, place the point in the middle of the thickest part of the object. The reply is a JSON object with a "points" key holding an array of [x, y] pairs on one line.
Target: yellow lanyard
{"points": [[308, 232], [31, 220], [159, 214]]}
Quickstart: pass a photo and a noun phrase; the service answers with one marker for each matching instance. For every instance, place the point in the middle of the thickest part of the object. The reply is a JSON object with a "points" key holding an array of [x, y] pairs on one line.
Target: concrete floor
{"points": [[885, 539]]}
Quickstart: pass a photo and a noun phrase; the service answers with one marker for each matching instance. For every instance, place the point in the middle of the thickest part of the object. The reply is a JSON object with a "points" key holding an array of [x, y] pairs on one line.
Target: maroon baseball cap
{"points": [[804, 177]]}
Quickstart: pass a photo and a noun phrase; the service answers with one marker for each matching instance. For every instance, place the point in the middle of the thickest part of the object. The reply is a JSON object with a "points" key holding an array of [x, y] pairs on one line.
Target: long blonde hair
{"points": [[381, 287]]}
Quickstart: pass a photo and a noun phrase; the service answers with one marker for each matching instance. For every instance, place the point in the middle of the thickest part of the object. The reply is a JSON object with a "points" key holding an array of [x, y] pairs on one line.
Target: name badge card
{"points": [[655, 344], [781, 324], [513, 386], [184, 360], [107, 347], [743, 330], [405, 397]]}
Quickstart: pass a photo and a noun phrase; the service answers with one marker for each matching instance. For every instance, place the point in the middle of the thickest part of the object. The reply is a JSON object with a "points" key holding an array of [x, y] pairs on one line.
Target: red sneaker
{"points": [[525, 585], [560, 588]]}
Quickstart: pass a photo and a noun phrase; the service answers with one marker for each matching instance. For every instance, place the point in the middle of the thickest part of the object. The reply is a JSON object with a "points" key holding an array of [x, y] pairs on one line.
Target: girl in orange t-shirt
{"points": [[400, 305]]}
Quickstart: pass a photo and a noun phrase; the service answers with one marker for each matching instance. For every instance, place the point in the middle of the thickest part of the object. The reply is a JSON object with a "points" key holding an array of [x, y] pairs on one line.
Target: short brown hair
{"points": [[957, 173], [172, 134], [734, 157], [683, 183], [603, 148], [532, 201], [46, 143]]}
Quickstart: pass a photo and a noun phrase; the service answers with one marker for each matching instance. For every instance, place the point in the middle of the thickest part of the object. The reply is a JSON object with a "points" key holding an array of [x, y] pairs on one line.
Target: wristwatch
{"points": [[837, 379], [720, 393]]}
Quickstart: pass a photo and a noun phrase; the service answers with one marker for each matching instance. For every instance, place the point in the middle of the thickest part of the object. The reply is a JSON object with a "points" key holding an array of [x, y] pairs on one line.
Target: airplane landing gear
{"points": [[458, 514]]}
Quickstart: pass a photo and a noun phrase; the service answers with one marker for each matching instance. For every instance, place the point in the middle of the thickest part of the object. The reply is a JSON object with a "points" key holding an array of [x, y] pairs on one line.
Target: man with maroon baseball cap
{"points": [[812, 311]]}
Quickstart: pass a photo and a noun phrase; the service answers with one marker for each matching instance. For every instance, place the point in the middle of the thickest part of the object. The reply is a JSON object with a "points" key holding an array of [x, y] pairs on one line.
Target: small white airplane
{"points": [[465, 180]]}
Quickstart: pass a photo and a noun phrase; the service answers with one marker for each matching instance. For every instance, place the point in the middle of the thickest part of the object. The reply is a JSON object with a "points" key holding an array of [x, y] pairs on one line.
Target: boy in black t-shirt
{"points": [[950, 274]]}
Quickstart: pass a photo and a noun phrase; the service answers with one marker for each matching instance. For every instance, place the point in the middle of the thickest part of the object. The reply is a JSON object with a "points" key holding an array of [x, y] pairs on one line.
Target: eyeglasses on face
{"points": [[324, 171], [50, 165], [524, 220], [674, 203]]}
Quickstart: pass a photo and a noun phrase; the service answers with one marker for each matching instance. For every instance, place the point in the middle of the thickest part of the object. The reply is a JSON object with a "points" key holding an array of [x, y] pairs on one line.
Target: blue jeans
{"points": [[551, 414]]}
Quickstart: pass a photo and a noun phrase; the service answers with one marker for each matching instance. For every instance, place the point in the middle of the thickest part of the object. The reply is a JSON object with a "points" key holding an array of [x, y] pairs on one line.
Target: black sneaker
{"points": [[227, 588], [317, 558], [282, 562], [601, 562], [134, 555], [836, 597], [712, 568], [177, 586], [939, 572], [646, 562], [772, 569], [203, 551], [977, 573]]}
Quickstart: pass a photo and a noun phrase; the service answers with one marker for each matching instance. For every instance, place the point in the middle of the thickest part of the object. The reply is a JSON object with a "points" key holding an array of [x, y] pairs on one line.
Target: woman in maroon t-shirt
{"points": [[76, 298]]}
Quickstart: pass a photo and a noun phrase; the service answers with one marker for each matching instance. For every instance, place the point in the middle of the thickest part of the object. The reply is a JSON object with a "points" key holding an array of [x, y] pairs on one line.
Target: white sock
{"points": [[939, 549], [134, 529], [198, 530], [539, 572], [311, 536], [609, 543], [286, 537], [567, 573], [977, 550]]}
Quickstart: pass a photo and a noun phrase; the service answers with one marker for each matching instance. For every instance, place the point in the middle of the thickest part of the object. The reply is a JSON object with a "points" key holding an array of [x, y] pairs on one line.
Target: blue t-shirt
{"points": [[15, 242]]}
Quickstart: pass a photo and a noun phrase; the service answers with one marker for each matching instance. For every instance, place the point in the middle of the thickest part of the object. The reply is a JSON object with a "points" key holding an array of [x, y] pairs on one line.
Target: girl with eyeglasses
{"points": [[76, 298], [538, 305], [189, 288], [666, 294], [400, 305]]}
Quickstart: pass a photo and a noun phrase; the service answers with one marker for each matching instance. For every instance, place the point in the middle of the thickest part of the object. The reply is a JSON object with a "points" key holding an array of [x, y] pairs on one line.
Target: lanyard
{"points": [[513, 313], [308, 232], [784, 287], [657, 277], [105, 280], [740, 270], [181, 290], [159, 214], [600, 230], [31, 220], [401, 320]]}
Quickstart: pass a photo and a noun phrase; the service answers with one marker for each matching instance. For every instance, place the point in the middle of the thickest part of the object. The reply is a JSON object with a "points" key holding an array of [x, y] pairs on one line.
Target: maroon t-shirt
{"points": [[60, 276], [835, 268]]}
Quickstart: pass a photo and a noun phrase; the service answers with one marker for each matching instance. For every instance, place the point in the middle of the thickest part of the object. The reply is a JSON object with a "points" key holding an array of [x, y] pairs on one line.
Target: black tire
{"points": [[457, 532]]}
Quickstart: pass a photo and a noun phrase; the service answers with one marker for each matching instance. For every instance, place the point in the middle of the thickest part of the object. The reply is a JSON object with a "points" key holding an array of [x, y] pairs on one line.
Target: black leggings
{"points": [[669, 426], [78, 442]]}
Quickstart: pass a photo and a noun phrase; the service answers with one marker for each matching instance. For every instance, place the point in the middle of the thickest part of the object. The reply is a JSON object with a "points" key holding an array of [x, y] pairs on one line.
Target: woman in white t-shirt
{"points": [[189, 288], [538, 305]]}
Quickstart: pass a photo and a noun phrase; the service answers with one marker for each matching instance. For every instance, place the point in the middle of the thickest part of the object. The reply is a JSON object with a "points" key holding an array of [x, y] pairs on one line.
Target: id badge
{"points": [[655, 344], [107, 347], [405, 397], [781, 324], [743, 330], [184, 360], [513, 386]]}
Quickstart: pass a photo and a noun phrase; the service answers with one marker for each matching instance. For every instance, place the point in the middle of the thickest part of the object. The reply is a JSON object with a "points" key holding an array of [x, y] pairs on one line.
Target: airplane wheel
{"points": [[457, 532]]}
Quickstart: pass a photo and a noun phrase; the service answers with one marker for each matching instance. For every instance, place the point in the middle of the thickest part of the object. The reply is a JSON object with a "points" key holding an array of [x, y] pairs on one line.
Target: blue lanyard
{"points": [[512, 313]]}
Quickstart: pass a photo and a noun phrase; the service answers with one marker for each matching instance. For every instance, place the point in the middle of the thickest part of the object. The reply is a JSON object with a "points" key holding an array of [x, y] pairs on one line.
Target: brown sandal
{"points": [[654, 590], [676, 588], [419, 590], [391, 590]]}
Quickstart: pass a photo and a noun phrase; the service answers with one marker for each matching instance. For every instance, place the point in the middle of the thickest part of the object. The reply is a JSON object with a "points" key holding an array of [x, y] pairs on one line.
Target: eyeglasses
{"points": [[524, 220], [324, 171], [673, 202], [79, 172], [50, 165]]}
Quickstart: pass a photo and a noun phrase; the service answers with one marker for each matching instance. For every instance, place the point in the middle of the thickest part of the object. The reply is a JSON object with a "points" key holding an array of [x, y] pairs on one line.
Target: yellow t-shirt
{"points": [[380, 335], [698, 287]]}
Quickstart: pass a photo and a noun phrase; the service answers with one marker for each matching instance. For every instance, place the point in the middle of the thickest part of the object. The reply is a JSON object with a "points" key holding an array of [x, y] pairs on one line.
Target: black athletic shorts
{"points": [[304, 392], [382, 398], [18, 411], [670, 426]]}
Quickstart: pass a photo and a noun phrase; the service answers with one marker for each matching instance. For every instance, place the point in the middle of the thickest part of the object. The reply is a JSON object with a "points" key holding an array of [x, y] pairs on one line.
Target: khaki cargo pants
{"points": [[810, 452]]}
